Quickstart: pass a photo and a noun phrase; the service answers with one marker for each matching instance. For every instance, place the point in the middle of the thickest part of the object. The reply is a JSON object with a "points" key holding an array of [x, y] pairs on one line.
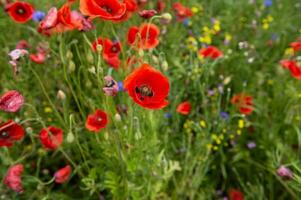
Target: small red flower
{"points": [[38, 58], [244, 103], [51, 137], [210, 52], [62, 175], [104, 9], [160, 6], [236, 195], [13, 178], [10, 132], [144, 37], [182, 12], [97, 121], [20, 12], [110, 52], [148, 87], [293, 67], [184, 108], [22, 44], [146, 14], [296, 45], [11, 101]]}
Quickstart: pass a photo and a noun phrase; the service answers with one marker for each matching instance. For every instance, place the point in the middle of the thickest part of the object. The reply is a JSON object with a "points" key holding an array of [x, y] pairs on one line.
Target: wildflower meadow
{"points": [[150, 99]]}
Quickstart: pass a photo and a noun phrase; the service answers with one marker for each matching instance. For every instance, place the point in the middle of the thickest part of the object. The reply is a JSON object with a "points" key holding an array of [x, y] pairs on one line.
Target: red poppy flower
{"points": [[62, 175], [236, 195], [293, 67], [10, 132], [59, 21], [184, 108], [147, 87], [243, 102], [146, 14], [110, 52], [11, 101], [210, 52], [131, 7], [144, 37], [38, 58], [296, 45], [51, 137], [20, 12], [22, 44], [160, 6], [182, 12], [13, 178], [105, 9], [97, 121]]}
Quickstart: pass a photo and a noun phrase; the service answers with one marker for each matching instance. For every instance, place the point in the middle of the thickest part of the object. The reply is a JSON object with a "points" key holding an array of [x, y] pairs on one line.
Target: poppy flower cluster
{"points": [[19, 11], [244, 103], [110, 51], [181, 11], [147, 87], [62, 20], [210, 52], [144, 37]]}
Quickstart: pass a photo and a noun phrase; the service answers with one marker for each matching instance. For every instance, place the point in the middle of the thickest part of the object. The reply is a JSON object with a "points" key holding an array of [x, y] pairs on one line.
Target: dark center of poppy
{"points": [[144, 91], [98, 119], [110, 83], [4, 135], [21, 11], [107, 9], [114, 49]]}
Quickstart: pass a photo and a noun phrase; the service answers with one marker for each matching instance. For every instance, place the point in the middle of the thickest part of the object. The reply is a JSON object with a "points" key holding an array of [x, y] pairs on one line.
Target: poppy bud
{"points": [[61, 95], [90, 57], [69, 55], [165, 65], [166, 17], [117, 117], [284, 172], [72, 66]]}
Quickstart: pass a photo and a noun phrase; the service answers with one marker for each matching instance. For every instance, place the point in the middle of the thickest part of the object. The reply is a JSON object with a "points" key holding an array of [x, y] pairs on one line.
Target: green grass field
{"points": [[214, 150]]}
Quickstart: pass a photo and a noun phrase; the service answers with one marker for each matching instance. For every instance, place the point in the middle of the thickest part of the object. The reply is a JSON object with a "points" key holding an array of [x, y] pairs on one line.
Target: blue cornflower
{"points": [[224, 115], [38, 16], [120, 86], [268, 3]]}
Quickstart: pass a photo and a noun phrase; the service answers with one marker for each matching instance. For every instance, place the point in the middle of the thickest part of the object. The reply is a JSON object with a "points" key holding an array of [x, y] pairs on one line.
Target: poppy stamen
{"points": [[144, 91], [107, 9], [21, 11], [4, 135]]}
